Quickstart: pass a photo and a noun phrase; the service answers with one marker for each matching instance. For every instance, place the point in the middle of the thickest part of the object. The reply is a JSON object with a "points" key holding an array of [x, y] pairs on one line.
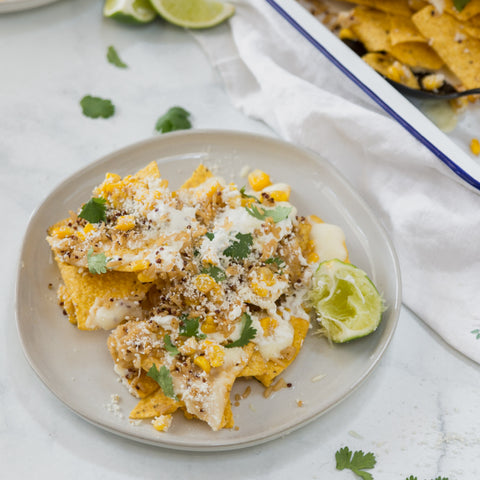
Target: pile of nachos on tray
{"points": [[198, 286], [430, 45]]}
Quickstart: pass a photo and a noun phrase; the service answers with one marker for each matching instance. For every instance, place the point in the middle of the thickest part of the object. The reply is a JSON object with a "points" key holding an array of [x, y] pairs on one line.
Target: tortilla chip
{"points": [[272, 368], [256, 366], [391, 68], [66, 302], [199, 176], [397, 7], [402, 30], [471, 9], [83, 290], [472, 29], [155, 404], [416, 55], [459, 51], [372, 28], [416, 5], [148, 172]]}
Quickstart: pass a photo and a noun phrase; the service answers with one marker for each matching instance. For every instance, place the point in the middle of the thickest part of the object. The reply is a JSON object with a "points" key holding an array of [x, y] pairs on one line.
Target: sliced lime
{"points": [[193, 13], [347, 303], [129, 11]]}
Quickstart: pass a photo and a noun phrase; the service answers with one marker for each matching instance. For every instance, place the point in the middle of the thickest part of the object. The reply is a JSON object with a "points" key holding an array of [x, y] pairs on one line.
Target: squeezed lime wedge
{"points": [[129, 11], [193, 13], [346, 301]]}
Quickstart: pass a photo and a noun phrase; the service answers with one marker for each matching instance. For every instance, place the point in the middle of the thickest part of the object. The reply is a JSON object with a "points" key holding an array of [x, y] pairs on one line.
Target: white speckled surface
{"points": [[417, 412]]}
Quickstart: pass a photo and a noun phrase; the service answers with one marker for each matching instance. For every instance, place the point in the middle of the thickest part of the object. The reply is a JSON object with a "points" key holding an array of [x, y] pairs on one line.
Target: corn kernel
{"points": [[189, 346], [475, 146], [262, 279], [208, 325], [394, 73], [125, 223], [204, 283], [433, 81], [203, 363], [258, 180], [313, 257], [280, 196], [62, 232], [89, 227], [139, 265], [269, 325], [146, 276], [162, 422], [214, 352]]}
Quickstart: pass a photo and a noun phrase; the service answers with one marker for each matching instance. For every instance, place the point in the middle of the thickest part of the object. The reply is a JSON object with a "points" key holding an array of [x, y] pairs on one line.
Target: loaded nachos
{"points": [[430, 45], [198, 286]]}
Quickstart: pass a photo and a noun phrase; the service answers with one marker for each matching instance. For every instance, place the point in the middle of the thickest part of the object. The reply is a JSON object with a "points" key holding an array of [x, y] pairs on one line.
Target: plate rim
{"points": [[10, 6], [294, 13], [212, 446]]}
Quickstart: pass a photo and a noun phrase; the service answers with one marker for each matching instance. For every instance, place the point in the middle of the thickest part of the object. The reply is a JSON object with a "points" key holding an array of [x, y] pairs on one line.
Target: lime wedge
{"points": [[347, 303], [193, 13], [129, 11]]}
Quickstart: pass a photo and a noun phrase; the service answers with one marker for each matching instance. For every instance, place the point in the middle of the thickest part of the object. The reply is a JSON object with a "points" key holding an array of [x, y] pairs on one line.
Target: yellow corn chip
{"points": [[148, 172], [391, 68], [67, 304], [272, 368], [472, 28], [88, 293], [416, 55], [371, 27], [459, 51], [402, 30], [471, 9], [155, 404], [416, 5], [256, 366], [397, 7], [199, 176]]}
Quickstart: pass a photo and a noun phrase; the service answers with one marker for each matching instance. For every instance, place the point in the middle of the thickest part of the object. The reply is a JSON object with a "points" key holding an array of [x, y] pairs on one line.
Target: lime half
{"points": [[129, 11], [347, 303], [193, 13]]}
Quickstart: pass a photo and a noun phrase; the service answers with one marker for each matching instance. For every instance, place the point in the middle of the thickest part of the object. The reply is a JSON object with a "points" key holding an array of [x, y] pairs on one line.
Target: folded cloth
{"points": [[274, 74]]}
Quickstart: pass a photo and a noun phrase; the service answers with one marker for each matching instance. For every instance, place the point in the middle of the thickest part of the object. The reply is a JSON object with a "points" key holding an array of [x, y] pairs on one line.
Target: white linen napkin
{"points": [[273, 74]]}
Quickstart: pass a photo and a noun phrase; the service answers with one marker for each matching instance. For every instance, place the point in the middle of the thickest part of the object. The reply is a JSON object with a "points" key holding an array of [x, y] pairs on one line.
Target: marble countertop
{"points": [[417, 412]]}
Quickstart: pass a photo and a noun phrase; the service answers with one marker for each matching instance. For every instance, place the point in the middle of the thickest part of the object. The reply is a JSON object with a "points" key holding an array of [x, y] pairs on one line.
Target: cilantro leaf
{"points": [[169, 346], [248, 332], [95, 107], [241, 247], [176, 118], [215, 272], [114, 59], [279, 262], [97, 263], [94, 210], [411, 477], [356, 463], [210, 235], [164, 379], [277, 214], [244, 195], [189, 327], [459, 6]]}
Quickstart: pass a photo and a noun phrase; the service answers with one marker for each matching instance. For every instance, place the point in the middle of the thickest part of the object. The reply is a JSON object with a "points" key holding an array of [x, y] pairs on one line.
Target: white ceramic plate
{"points": [[76, 365], [379, 90], [17, 5]]}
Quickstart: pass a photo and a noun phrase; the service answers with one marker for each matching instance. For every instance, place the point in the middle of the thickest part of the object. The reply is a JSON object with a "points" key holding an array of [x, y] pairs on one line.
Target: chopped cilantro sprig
{"points": [[95, 107], [164, 379], [215, 272], [176, 118], [241, 247], [114, 59], [248, 332], [189, 327], [94, 210], [97, 263], [277, 214], [169, 346], [357, 462]]}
